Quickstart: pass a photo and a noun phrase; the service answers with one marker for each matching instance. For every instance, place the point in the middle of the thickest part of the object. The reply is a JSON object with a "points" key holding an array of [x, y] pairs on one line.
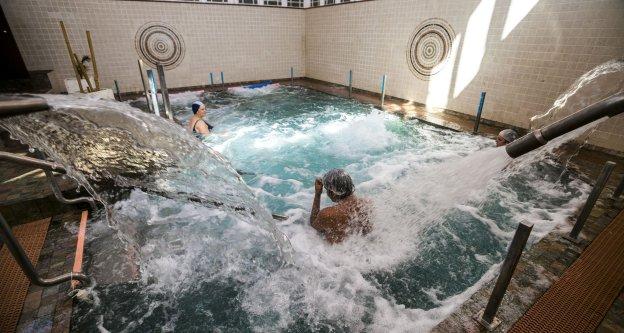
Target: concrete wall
{"points": [[523, 67], [246, 42]]}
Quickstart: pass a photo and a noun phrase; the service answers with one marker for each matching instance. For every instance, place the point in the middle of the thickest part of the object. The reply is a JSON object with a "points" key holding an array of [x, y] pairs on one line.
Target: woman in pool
{"points": [[350, 214], [197, 124]]}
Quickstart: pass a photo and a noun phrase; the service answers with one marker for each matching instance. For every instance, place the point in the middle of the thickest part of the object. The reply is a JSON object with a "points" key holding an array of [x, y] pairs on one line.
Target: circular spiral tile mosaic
{"points": [[159, 43], [429, 46]]}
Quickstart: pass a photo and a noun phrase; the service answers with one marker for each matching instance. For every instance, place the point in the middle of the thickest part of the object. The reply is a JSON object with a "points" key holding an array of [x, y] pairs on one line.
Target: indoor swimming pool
{"points": [[186, 240]]}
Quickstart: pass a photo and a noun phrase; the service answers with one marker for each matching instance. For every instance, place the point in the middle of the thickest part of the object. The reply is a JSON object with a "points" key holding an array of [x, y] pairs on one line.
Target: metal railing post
{"points": [[292, 77], [27, 267], [479, 110], [145, 86], [350, 82], [591, 201], [163, 91], [222, 81], [383, 90], [153, 91], [118, 95], [620, 188], [211, 79], [487, 316]]}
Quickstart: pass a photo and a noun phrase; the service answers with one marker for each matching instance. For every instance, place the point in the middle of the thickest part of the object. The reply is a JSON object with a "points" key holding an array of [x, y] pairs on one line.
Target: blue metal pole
{"points": [[383, 90], [292, 77], [153, 92], [350, 82], [222, 81], [479, 110], [211, 79]]}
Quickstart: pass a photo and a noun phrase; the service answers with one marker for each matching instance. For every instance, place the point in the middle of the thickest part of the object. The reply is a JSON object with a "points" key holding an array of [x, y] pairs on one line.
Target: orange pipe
{"points": [[82, 230]]}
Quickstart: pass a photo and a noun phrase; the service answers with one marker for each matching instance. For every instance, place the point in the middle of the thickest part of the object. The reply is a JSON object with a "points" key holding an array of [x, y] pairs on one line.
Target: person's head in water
{"points": [[199, 109], [506, 136], [339, 184]]}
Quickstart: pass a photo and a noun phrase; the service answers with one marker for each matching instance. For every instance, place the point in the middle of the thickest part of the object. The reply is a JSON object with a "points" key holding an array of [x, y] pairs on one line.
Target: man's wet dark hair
{"points": [[339, 183]]}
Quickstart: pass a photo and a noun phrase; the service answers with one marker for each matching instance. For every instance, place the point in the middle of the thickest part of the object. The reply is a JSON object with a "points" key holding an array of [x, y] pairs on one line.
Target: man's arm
{"points": [[316, 204]]}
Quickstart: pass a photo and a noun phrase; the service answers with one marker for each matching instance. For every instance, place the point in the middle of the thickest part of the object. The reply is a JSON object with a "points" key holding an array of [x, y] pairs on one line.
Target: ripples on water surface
{"points": [[444, 213], [205, 253]]}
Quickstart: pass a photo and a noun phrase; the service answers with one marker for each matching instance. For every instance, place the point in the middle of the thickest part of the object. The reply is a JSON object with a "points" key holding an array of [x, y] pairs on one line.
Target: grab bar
{"points": [[47, 167], [27, 267]]}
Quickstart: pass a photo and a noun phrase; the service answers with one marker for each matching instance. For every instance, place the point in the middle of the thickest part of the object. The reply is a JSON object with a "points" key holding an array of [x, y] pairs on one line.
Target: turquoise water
{"points": [[445, 206]]}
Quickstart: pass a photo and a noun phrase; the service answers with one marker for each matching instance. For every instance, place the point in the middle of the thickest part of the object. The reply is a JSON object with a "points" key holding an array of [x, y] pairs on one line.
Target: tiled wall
{"points": [[245, 42], [523, 53], [522, 73]]}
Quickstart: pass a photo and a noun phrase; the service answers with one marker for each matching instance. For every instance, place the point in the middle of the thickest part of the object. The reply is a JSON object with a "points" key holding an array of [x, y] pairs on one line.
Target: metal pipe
{"points": [[145, 85], [292, 77], [153, 91], [41, 164], [27, 267], [11, 105], [479, 111], [620, 188], [383, 90], [608, 107], [591, 200], [487, 318], [163, 91], [222, 81], [59, 195], [211, 79], [350, 82]]}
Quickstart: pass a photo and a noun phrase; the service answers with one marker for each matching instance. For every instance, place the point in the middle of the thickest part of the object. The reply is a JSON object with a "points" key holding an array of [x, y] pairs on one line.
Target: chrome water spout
{"points": [[15, 104], [608, 107]]}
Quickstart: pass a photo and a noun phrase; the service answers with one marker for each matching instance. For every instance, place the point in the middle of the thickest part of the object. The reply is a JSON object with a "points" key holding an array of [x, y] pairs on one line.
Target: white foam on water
{"points": [[252, 92]]}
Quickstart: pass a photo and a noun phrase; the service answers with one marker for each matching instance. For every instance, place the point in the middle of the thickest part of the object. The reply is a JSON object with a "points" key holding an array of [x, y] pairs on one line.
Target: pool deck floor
{"points": [[25, 197]]}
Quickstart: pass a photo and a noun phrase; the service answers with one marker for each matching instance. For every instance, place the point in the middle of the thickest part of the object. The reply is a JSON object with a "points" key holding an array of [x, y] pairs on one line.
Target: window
{"points": [[249, 2], [330, 2], [294, 3], [316, 3], [272, 2]]}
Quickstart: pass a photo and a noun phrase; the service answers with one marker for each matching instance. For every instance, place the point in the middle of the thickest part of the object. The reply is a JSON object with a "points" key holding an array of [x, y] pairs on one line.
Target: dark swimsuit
{"points": [[210, 127]]}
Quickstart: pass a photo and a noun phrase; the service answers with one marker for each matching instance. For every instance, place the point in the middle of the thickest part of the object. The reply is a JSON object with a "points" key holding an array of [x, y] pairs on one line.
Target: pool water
{"points": [[446, 205]]}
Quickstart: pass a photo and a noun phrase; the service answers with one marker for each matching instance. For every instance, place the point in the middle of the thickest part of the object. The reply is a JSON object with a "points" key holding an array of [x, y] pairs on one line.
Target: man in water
{"points": [[350, 215], [197, 124], [506, 136]]}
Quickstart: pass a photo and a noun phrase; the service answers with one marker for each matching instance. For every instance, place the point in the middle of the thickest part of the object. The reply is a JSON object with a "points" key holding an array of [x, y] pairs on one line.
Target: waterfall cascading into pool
{"points": [[188, 245]]}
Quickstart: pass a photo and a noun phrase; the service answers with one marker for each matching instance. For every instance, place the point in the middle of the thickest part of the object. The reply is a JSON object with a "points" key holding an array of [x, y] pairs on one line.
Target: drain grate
{"points": [[580, 299]]}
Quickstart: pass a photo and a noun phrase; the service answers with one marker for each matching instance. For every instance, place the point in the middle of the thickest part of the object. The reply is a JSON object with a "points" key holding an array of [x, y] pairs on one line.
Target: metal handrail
{"points": [[47, 167], [27, 267]]}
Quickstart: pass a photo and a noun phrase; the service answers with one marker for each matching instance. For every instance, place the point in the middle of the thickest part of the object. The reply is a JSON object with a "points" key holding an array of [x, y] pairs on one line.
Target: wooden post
{"points": [[96, 76], [486, 317], [71, 57], [620, 188], [82, 71], [591, 201]]}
